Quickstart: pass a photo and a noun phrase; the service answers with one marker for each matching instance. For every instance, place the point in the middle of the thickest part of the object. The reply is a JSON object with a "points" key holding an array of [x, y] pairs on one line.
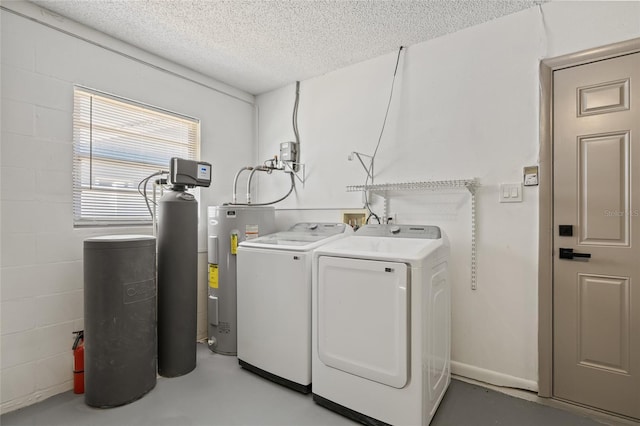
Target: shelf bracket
{"points": [[290, 167], [369, 169]]}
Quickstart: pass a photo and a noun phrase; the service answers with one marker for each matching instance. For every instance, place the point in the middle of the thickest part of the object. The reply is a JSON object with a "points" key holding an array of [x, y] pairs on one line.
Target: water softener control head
{"points": [[189, 173]]}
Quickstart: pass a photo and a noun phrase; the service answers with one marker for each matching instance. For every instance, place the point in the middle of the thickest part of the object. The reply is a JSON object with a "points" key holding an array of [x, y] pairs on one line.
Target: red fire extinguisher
{"points": [[78, 362]]}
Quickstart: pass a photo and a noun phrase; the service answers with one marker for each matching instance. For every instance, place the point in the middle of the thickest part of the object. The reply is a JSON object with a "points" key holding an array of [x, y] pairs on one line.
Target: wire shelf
{"points": [[434, 185]]}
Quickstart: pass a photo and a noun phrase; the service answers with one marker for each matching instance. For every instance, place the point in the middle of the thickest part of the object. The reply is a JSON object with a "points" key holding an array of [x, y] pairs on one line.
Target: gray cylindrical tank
{"points": [[119, 318], [227, 227], [177, 283]]}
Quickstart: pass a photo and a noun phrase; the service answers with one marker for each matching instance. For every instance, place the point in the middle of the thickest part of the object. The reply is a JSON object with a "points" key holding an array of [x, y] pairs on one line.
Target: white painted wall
{"points": [[466, 105], [41, 252]]}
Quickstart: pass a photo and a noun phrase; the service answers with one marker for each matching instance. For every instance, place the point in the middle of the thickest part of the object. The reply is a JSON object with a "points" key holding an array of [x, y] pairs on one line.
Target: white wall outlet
{"points": [[510, 192]]}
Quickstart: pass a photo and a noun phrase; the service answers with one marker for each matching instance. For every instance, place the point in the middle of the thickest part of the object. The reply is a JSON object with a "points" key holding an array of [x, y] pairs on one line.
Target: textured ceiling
{"points": [[259, 45]]}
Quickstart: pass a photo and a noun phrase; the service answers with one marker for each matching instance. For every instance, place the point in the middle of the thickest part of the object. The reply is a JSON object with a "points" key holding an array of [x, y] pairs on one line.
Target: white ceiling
{"points": [[260, 45]]}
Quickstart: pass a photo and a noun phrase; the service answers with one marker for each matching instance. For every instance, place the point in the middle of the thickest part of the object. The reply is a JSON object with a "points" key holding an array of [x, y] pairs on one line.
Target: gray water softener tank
{"points": [[119, 318], [177, 283]]}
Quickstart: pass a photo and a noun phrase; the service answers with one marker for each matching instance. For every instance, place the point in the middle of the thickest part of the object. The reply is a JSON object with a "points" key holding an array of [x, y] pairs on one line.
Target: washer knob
{"points": [[313, 226], [395, 229]]}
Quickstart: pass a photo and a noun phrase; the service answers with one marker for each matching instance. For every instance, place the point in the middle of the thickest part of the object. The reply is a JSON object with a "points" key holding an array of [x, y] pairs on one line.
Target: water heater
{"points": [[228, 226]]}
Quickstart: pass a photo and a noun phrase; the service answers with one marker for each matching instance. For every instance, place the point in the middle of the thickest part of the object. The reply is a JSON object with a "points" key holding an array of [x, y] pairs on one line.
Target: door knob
{"points": [[567, 253]]}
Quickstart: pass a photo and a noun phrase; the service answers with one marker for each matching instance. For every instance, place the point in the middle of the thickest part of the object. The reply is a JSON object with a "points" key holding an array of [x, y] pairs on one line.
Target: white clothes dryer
{"points": [[381, 321], [274, 301]]}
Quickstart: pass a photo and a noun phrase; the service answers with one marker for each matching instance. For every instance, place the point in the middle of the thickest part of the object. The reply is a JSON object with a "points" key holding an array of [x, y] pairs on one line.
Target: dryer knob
{"points": [[394, 229], [313, 226]]}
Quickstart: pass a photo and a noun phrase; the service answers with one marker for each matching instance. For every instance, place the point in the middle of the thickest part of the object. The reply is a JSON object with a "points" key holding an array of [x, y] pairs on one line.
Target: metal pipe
{"points": [[293, 185], [154, 216], [235, 183], [255, 169]]}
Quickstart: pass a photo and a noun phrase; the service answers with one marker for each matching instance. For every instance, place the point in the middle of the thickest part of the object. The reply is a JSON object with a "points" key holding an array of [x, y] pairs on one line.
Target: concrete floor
{"points": [[219, 392]]}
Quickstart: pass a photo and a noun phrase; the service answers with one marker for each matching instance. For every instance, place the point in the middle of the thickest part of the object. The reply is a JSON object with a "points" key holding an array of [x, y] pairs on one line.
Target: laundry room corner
{"points": [[440, 128], [465, 106]]}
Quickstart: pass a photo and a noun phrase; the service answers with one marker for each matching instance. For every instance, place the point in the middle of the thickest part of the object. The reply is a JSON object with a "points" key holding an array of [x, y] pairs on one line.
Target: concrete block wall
{"points": [[41, 274]]}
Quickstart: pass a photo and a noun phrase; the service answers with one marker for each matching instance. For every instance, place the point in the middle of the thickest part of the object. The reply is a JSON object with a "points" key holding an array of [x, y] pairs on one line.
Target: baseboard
{"points": [[492, 377], [38, 396]]}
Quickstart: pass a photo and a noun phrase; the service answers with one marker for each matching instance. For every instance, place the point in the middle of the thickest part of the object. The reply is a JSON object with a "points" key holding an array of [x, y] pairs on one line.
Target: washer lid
{"points": [[301, 237], [387, 248]]}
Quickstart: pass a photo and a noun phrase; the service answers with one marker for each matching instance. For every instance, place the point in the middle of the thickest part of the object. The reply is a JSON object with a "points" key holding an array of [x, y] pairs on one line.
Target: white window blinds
{"points": [[117, 143]]}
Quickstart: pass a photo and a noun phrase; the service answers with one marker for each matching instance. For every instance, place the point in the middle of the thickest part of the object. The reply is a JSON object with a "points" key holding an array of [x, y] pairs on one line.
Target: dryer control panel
{"points": [[400, 231]]}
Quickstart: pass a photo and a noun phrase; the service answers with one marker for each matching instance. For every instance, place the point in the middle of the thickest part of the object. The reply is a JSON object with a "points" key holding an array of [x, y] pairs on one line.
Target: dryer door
{"points": [[363, 315]]}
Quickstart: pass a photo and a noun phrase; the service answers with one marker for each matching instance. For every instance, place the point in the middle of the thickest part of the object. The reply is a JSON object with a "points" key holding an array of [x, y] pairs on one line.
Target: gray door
{"points": [[597, 212]]}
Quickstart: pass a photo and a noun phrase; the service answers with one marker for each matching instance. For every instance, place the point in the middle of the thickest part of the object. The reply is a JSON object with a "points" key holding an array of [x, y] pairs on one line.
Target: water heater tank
{"points": [[227, 227]]}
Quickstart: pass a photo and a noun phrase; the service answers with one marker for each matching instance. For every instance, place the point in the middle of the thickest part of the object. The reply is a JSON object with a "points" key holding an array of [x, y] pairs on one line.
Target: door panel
{"points": [[603, 98], [604, 189], [363, 318], [603, 339], [597, 190]]}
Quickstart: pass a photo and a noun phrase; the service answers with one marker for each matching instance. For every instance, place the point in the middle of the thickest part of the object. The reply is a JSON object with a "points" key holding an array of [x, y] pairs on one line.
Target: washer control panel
{"points": [[400, 231], [319, 228]]}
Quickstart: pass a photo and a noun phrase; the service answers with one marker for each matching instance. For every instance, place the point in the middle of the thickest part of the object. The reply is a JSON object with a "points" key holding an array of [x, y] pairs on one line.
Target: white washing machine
{"points": [[274, 301], [381, 324]]}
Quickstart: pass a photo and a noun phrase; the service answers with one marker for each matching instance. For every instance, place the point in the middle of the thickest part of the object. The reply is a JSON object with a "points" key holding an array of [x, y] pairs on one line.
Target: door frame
{"points": [[545, 208]]}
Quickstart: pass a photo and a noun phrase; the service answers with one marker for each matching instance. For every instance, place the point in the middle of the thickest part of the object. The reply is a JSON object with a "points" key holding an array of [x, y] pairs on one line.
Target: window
{"points": [[116, 144]]}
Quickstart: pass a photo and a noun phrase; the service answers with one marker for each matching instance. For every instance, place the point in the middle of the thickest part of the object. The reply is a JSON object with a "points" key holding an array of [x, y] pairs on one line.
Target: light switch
{"points": [[510, 192]]}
